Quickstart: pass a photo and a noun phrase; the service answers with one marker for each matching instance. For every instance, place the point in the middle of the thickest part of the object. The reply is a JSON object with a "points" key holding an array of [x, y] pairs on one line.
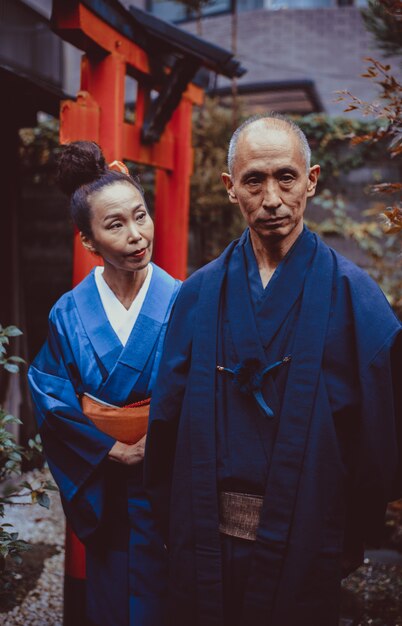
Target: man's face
{"points": [[270, 181]]}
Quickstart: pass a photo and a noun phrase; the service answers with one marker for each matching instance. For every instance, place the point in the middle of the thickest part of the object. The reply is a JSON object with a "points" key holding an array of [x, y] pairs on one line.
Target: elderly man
{"points": [[272, 447]]}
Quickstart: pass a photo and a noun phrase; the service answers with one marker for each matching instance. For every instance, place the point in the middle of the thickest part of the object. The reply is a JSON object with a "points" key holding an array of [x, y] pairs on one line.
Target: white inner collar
{"points": [[121, 319]]}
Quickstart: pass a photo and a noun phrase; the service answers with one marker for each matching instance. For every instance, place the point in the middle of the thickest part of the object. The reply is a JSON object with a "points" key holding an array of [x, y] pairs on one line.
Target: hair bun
{"points": [[79, 163]]}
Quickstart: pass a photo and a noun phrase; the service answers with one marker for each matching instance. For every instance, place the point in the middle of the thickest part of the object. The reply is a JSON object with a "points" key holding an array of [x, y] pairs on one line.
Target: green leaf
{"points": [[13, 369], [10, 465], [43, 499], [12, 331], [16, 359], [50, 486], [15, 456], [35, 444], [7, 419]]}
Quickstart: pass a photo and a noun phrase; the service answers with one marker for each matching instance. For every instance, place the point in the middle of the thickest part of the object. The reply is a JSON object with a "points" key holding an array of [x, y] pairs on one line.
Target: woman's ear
{"points": [[87, 243]]}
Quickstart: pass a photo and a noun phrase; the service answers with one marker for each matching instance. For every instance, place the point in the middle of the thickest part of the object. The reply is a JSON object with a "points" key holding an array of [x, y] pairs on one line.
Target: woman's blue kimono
{"points": [[103, 500], [325, 463]]}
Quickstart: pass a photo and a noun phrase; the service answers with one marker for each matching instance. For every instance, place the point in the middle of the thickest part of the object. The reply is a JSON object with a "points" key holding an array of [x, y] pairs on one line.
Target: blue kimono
{"points": [[103, 500], [316, 436]]}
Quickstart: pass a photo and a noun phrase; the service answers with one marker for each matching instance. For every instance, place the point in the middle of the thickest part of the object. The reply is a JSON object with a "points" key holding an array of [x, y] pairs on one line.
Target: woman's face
{"points": [[122, 229]]}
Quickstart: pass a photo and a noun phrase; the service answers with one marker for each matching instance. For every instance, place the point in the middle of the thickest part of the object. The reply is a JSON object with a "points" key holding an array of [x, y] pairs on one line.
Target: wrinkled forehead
{"points": [[115, 192], [268, 132], [268, 137]]}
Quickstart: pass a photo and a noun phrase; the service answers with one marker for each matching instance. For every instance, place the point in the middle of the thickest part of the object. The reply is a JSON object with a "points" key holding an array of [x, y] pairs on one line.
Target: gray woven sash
{"points": [[239, 514]]}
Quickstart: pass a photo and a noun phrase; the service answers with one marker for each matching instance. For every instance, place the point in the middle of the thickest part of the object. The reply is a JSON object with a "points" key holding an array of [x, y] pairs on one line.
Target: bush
{"points": [[12, 491]]}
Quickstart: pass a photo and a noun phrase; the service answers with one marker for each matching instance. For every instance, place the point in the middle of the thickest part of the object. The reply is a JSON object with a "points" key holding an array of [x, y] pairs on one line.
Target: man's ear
{"points": [[87, 243], [313, 180], [227, 181]]}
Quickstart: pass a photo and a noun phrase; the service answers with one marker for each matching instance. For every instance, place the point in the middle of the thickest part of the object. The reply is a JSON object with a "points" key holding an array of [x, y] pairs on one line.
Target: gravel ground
{"points": [[372, 595], [42, 606], [375, 590]]}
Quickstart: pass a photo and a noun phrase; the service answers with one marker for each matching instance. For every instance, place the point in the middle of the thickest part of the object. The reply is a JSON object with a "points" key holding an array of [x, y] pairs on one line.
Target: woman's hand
{"points": [[128, 454]]}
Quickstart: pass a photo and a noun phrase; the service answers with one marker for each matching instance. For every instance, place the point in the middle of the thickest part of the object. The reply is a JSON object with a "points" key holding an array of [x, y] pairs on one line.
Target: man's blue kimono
{"points": [[316, 436], [104, 501]]}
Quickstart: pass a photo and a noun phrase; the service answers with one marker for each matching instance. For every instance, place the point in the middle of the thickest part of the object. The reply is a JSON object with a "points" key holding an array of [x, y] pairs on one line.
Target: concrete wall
{"points": [[326, 45]]}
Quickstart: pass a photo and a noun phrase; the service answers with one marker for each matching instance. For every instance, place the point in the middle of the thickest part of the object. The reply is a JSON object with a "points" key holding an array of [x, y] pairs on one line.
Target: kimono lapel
{"points": [[146, 333], [104, 340], [241, 316], [250, 335], [285, 286], [152, 315], [287, 462]]}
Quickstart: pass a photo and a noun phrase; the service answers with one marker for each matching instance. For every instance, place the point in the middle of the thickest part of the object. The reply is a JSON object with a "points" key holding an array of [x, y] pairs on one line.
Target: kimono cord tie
{"points": [[248, 377]]}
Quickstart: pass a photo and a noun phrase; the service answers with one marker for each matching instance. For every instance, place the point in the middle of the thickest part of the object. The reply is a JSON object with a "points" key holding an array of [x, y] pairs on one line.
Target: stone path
{"points": [[45, 528], [372, 596]]}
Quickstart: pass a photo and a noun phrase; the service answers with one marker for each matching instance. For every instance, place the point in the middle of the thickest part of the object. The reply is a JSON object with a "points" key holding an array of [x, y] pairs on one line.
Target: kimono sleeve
{"points": [[167, 401], [376, 449], [75, 449]]}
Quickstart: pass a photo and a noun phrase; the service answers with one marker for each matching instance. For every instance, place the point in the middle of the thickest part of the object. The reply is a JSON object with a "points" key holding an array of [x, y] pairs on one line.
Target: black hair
{"points": [[81, 171]]}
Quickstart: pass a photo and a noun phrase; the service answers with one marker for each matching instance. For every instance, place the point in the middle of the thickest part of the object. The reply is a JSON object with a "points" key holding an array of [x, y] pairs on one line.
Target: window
{"points": [[176, 12], [167, 10]]}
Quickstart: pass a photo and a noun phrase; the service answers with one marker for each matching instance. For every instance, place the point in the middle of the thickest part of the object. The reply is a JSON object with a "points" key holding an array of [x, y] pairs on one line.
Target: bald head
{"points": [[264, 122]]}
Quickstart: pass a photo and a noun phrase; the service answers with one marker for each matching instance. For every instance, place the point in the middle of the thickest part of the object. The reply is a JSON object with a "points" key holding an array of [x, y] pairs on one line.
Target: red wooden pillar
{"points": [[99, 117], [80, 120], [172, 198], [74, 606], [104, 80]]}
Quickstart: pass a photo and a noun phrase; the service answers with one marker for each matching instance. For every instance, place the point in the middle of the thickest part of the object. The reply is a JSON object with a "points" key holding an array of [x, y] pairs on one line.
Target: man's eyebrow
{"points": [[248, 173], [286, 170]]}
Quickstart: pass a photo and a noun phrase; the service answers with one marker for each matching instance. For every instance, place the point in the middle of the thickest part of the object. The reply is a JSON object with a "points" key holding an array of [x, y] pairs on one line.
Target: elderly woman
{"points": [[91, 384]]}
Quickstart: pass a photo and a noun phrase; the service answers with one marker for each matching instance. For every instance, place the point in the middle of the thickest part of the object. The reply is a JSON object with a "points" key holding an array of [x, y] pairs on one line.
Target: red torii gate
{"points": [[118, 42], [98, 115]]}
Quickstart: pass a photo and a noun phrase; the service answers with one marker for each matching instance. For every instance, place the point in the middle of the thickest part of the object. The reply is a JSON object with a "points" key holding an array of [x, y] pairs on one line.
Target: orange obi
{"points": [[127, 424]]}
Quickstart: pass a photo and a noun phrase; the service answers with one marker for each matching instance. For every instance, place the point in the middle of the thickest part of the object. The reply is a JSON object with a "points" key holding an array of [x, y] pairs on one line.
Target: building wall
{"points": [[326, 45], [27, 45]]}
